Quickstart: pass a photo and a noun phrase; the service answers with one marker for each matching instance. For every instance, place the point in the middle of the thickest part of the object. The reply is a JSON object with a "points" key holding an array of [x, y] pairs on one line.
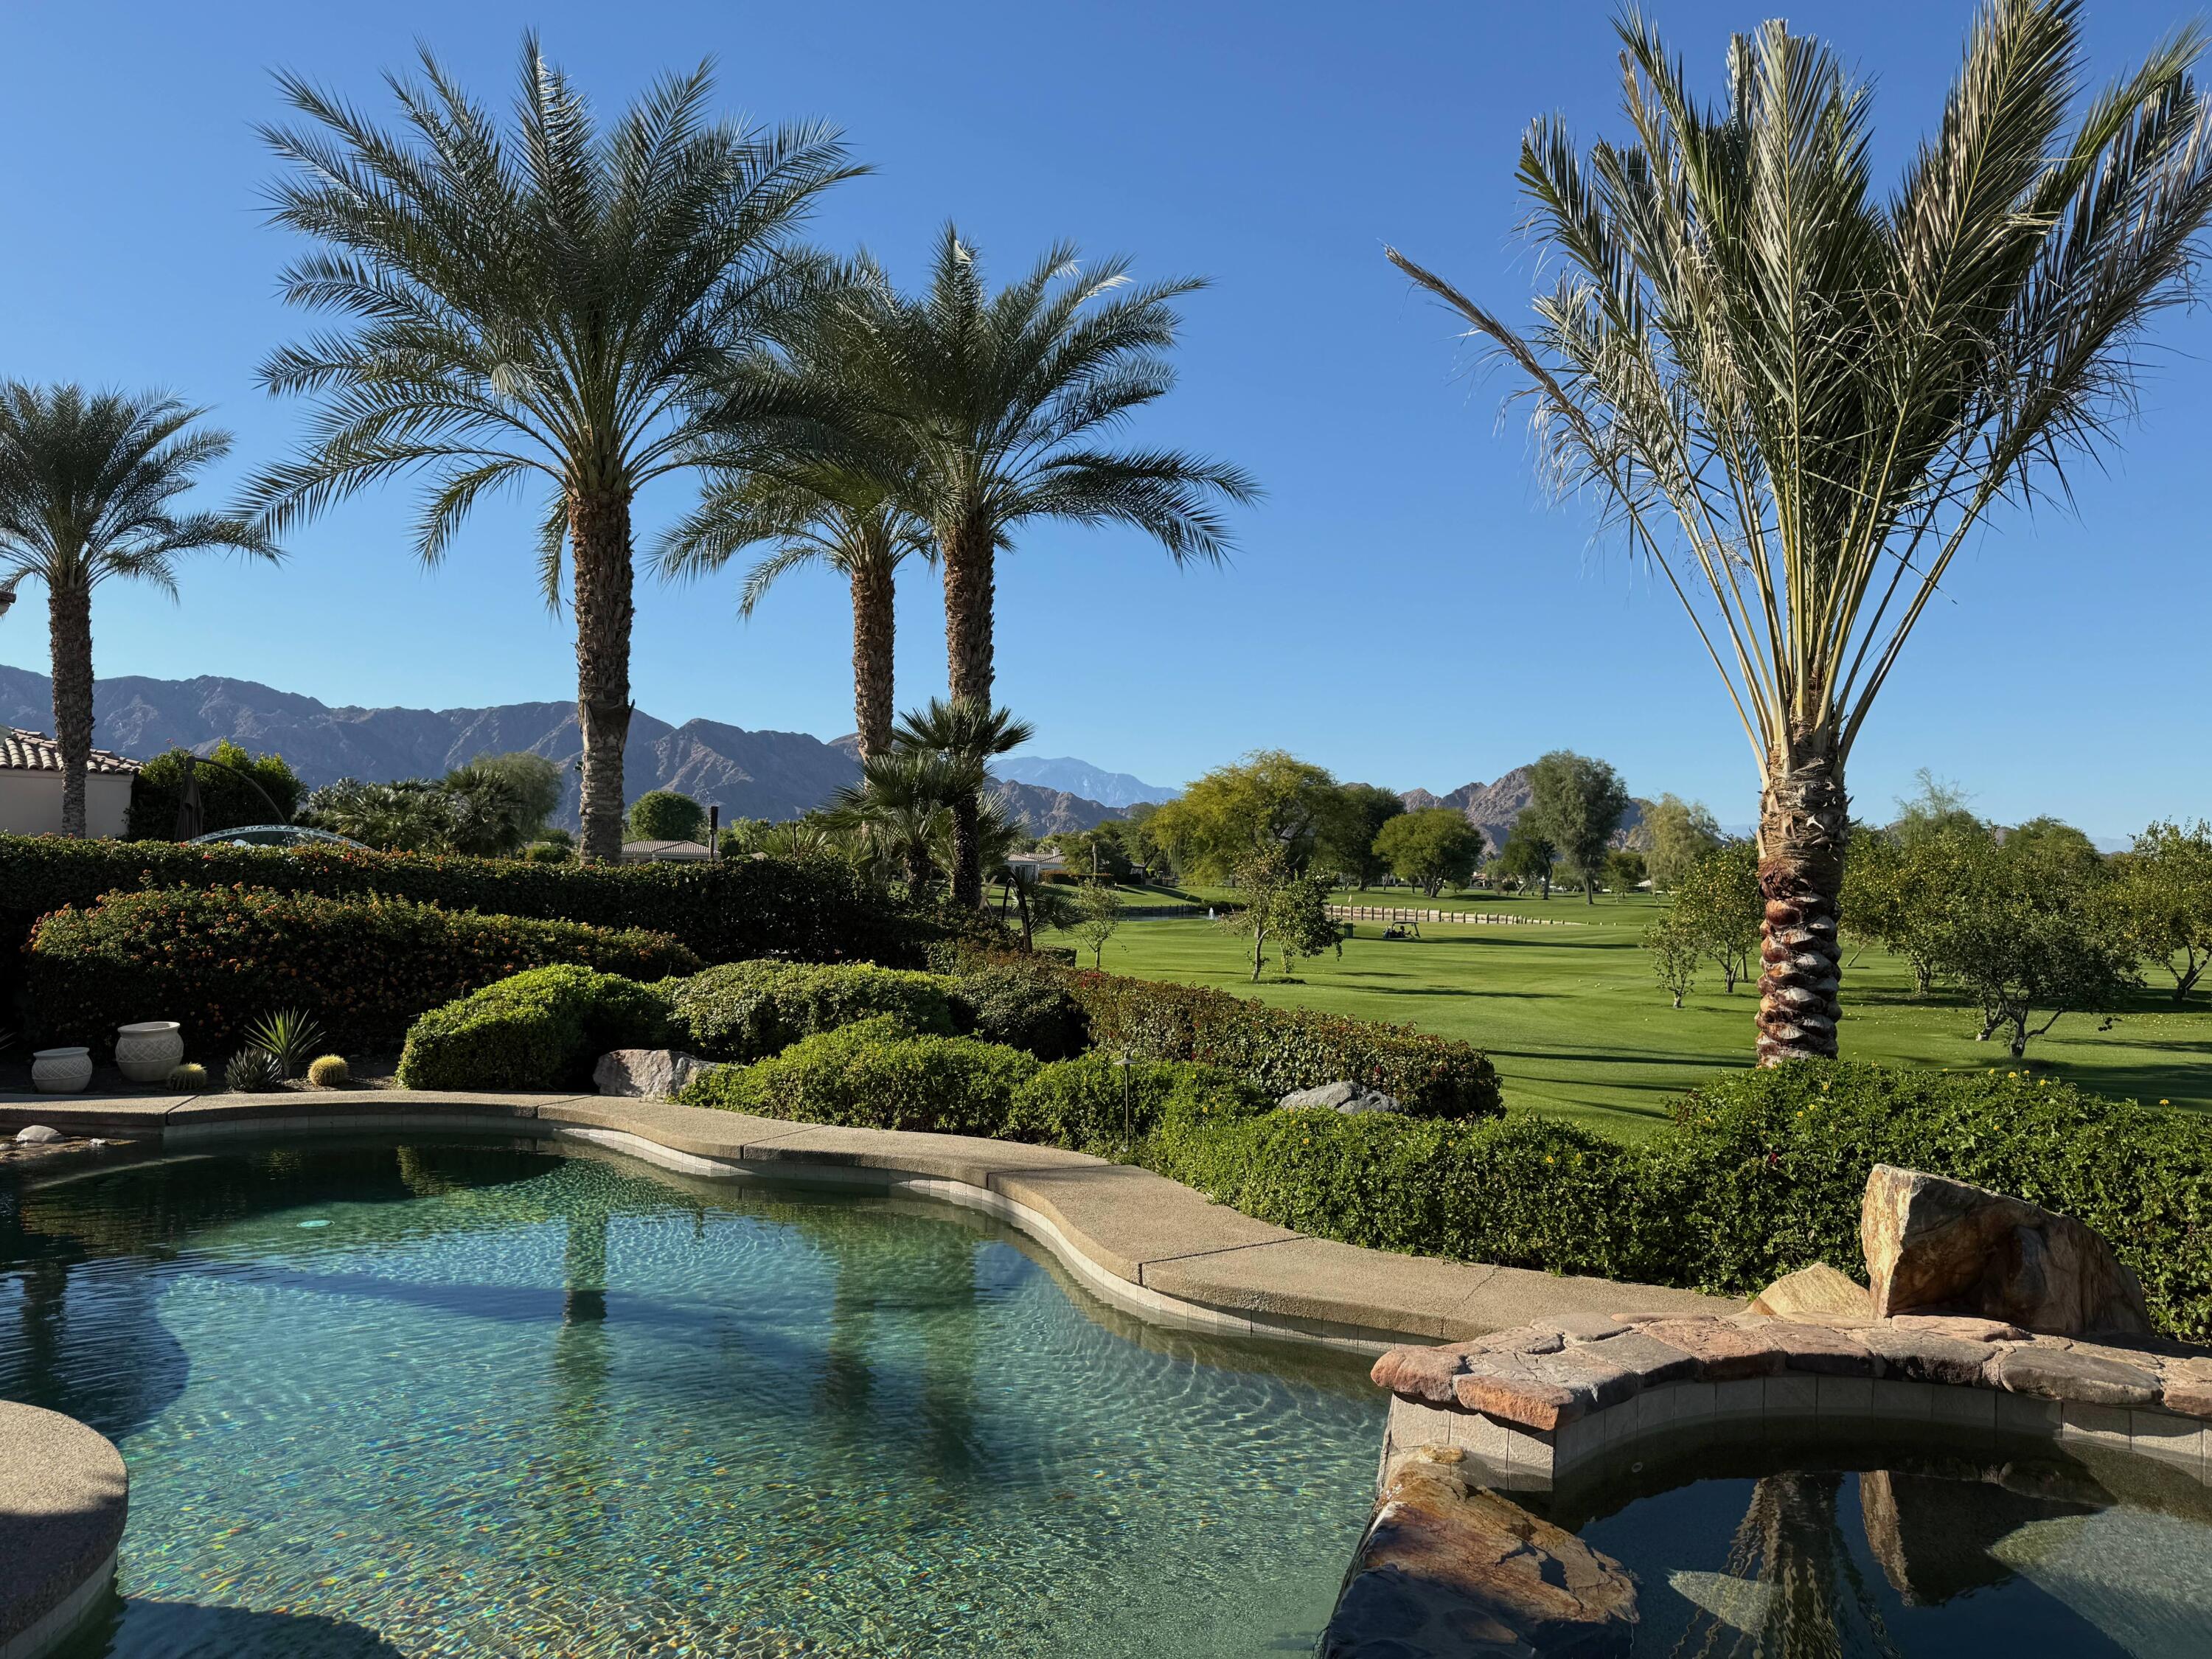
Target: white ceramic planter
{"points": [[146, 1052], [61, 1071]]}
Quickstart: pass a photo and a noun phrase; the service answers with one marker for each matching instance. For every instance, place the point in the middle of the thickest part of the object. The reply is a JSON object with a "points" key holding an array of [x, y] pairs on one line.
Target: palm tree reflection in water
{"points": [[1792, 1590]]}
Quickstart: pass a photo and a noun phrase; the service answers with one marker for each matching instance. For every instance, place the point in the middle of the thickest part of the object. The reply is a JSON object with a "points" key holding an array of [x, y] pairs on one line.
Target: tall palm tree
{"points": [[817, 512], [534, 303], [967, 736], [992, 407], [89, 484], [1796, 399]]}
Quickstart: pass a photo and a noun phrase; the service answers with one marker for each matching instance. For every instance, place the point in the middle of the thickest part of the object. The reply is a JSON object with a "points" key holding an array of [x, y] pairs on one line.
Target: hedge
{"points": [[1283, 1050], [1021, 1004], [544, 1028], [218, 959], [814, 910], [747, 1011]]}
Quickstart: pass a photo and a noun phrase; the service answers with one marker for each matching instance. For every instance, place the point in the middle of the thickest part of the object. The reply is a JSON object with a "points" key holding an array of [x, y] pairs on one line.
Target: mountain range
{"points": [[1493, 808], [756, 774]]}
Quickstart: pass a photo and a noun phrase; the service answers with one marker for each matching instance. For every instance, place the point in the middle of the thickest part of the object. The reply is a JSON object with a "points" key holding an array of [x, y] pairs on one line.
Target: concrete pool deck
{"points": [[1132, 1237], [63, 1495]]}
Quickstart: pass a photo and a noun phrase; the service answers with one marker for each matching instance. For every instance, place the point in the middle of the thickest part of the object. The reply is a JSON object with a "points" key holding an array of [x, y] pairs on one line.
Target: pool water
{"points": [[1950, 1545], [451, 1400]]}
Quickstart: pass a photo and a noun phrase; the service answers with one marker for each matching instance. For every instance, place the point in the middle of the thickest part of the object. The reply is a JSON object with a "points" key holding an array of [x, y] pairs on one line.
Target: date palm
{"points": [[816, 512], [533, 304], [967, 736], [88, 488], [1796, 399], [986, 412]]}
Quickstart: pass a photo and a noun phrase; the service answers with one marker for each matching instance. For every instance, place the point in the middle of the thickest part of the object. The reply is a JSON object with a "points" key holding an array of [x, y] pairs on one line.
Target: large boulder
{"points": [[646, 1074], [1934, 1245], [1449, 1568], [1345, 1096]]}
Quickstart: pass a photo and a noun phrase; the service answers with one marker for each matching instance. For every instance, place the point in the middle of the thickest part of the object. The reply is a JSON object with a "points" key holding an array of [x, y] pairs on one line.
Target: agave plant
{"points": [[288, 1036], [253, 1071]]}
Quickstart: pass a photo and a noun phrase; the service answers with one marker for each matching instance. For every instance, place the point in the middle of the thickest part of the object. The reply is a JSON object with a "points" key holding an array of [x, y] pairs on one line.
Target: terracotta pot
{"points": [[145, 1052], [61, 1071]]}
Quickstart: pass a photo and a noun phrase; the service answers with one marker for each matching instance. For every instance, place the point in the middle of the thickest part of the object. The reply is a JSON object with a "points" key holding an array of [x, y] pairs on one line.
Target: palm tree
{"points": [[967, 736], [984, 412], [1797, 400], [817, 513], [89, 483], [898, 818], [539, 303]]}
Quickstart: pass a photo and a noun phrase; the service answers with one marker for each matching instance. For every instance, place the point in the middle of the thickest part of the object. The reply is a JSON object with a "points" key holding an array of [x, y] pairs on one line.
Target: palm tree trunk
{"points": [[69, 625], [969, 595], [966, 853], [874, 632], [1803, 828], [598, 539]]}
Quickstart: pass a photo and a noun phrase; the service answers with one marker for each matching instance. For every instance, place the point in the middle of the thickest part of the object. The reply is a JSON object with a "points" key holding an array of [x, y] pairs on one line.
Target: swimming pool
{"points": [[447, 1398]]}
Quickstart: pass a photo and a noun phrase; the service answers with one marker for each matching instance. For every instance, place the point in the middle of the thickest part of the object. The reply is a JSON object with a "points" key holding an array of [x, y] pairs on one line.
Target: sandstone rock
{"points": [[1423, 1373], [36, 1134], [1927, 1356], [1655, 1362], [1723, 1352], [1344, 1097], [2055, 1374], [646, 1074], [1958, 1327], [1940, 1246], [1586, 1327], [1822, 1350], [1447, 1568], [2189, 1387], [1815, 1294], [1541, 1391]]}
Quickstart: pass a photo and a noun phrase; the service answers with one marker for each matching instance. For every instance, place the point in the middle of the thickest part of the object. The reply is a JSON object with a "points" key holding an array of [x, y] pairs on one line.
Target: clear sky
{"points": [[1406, 607]]}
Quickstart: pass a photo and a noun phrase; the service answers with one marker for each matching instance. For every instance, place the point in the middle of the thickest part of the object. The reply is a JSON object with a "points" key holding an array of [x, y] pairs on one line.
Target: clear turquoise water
{"points": [[451, 1400]]}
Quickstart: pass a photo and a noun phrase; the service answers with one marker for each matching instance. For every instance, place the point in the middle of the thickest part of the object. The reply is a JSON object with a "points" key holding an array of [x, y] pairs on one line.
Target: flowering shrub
{"points": [[217, 958]]}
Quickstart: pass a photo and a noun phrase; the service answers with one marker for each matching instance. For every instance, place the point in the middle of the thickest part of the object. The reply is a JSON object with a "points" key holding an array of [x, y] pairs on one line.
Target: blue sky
{"points": [[1406, 607]]}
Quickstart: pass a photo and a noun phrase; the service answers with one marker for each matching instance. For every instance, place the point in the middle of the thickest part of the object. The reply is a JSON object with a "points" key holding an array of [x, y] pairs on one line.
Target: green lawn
{"points": [[1577, 1025]]}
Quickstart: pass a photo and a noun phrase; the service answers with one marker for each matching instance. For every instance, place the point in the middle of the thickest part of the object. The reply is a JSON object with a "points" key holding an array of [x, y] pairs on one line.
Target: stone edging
{"points": [[1535, 1404], [63, 1492], [1135, 1237]]}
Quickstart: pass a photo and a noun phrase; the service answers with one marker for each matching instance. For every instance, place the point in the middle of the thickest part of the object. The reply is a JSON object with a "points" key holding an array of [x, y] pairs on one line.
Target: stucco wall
{"points": [[31, 803]]}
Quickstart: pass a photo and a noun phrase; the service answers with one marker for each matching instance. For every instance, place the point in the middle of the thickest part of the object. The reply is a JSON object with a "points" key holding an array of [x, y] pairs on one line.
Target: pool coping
{"points": [[1133, 1237], [64, 1493]]}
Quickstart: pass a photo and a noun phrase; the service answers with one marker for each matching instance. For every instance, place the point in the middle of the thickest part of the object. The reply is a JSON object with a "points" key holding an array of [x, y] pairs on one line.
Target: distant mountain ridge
{"points": [[1082, 779], [1495, 808], [754, 775]]}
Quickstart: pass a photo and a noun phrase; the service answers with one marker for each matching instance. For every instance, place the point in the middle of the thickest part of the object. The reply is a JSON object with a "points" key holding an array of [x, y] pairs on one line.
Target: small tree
{"points": [[1097, 914], [2030, 931], [1431, 847], [1349, 840], [1624, 871], [1527, 856], [1719, 907], [665, 815], [228, 801], [1681, 832], [1269, 798], [1282, 908], [2163, 899], [1898, 887], [1577, 803], [1676, 953]]}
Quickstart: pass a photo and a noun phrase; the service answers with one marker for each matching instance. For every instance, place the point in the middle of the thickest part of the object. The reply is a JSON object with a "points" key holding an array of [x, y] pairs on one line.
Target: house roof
{"points": [[665, 852], [34, 751]]}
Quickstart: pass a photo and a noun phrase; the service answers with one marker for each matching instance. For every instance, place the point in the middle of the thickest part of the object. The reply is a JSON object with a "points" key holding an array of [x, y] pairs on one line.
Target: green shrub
{"points": [[1093, 1105], [541, 1030], [1023, 1004], [876, 1074], [216, 959], [747, 1011], [1283, 1050]]}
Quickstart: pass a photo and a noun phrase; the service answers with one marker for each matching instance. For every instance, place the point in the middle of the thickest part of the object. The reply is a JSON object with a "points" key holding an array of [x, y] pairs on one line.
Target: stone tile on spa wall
{"points": [[1845, 1396], [2171, 1439], [1743, 1397], [1791, 1396], [1909, 1402], [2096, 1426], [2019, 1413], [1973, 1408]]}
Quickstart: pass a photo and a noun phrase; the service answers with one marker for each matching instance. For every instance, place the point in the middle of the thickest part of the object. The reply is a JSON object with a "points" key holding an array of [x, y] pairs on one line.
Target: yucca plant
{"points": [[534, 305], [1796, 399], [288, 1036]]}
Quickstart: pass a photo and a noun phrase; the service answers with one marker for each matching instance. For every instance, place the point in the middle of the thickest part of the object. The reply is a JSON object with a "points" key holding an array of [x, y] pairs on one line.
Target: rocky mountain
{"points": [[758, 775], [1494, 808], [1083, 780]]}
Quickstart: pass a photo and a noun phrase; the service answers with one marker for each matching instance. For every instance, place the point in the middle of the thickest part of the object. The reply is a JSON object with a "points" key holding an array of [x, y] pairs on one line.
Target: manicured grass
{"points": [[1577, 1025]]}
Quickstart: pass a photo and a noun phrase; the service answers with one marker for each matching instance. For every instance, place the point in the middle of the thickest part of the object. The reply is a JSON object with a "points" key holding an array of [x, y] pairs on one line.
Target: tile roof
{"points": [[34, 751]]}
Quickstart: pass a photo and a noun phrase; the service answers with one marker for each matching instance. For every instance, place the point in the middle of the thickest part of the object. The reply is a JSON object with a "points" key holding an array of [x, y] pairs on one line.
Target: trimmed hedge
{"points": [[814, 910], [876, 1074], [747, 1011], [1283, 1050], [217, 959], [544, 1029], [1022, 1005]]}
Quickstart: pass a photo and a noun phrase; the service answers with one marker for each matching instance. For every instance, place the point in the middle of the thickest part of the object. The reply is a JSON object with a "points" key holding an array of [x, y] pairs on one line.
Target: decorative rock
{"points": [[1541, 1391], [36, 1134], [1960, 1328], [1423, 1373], [1926, 1357], [2056, 1374], [1822, 1350], [145, 1051], [2189, 1387], [1345, 1096], [1447, 1568], [1937, 1245], [646, 1074], [1817, 1294], [1655, 1362], [1723, 1352], [61, 1071]]}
